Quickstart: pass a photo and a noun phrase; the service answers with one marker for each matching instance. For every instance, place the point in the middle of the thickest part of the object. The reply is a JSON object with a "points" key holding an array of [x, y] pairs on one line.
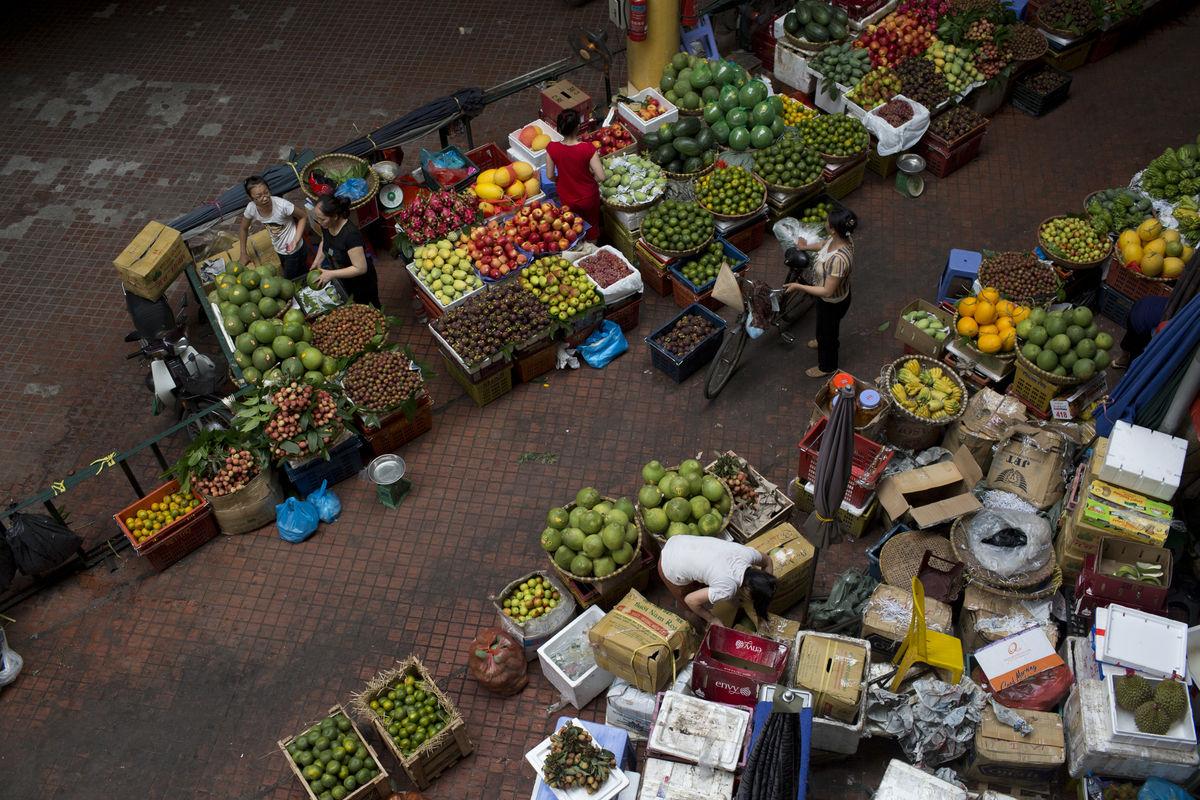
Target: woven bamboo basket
{"points": [[340, 161], [661, 540], [633, 562], [1063, 261], [979, 574]]}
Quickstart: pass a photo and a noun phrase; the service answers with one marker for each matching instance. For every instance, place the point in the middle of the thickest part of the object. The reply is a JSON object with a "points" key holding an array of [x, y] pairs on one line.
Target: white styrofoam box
{"points": [[646, 126], [1146, 461], [1148, 643], [670, 780], [1077, 654], [1091, 747], [822, 99], [610, 790], [625, 287], [523, 153], [1193, 654], [630, 792], [582, 690], [699, 731], [833, 735], [903, 781], [1181, 736], [630, 709], [791, 67]]}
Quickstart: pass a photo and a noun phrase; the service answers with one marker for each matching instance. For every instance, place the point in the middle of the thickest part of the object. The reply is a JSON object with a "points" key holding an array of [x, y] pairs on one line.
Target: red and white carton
{"points": [[732, 665]]}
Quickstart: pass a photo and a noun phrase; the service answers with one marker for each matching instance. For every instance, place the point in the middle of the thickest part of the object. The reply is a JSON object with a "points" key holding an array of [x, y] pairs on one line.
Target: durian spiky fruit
{"points": [[1132, 691], [1149, 718], [1171, 697]]}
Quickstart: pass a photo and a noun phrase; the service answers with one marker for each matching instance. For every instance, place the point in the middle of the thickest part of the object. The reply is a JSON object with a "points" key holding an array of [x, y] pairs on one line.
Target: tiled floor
{"points": [[179, 684]]}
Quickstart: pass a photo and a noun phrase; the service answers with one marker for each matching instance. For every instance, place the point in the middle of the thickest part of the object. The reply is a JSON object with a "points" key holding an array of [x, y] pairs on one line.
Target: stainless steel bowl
{"points": [[910, 163], [386, 170], [386, 469]]}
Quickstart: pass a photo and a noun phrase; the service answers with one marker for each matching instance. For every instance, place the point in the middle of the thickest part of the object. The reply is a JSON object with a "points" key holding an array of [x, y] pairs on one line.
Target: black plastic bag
{"points": [[8, 567], [39, 544]]}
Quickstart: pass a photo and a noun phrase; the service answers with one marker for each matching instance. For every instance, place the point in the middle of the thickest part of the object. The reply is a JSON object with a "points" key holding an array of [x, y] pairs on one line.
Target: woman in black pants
{"points": [[835, 260]]}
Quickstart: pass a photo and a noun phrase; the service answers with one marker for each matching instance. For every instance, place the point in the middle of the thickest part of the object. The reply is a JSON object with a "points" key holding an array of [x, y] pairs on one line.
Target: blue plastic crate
{"points": [[737, 262], [680, 369], [1114, 305], [345, 460]]}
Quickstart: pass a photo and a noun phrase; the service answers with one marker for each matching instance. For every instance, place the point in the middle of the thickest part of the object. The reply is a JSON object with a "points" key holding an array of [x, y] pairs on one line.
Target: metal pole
{"points": [[1173, 420], [133, 481]]}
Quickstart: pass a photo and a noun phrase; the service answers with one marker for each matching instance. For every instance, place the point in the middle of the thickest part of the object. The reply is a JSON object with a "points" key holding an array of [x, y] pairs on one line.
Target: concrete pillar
{"points": [[646, 59]]}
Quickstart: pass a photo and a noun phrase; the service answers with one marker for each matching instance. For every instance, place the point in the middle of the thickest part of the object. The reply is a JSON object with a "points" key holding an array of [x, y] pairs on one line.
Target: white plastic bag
{"points": [[10, 662], [893, 140], [628, 286], [789, 229]]}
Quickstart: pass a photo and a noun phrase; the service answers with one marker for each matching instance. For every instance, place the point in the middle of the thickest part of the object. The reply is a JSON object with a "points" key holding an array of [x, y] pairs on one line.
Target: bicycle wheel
{"points": [[797, 306], [725, 362]]}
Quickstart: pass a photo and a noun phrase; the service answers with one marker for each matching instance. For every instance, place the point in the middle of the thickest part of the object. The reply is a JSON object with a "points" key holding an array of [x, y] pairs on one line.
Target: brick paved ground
{"points": [[179, 684]]}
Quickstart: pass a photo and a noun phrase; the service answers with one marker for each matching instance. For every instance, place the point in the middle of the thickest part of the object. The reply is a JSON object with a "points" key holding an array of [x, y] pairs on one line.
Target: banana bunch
{"points": [[926, 393], [1187, 214]]}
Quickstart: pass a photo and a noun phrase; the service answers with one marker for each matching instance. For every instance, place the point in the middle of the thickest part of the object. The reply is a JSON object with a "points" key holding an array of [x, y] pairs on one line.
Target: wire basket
{"points": [[1063, 261], [340, 162]]}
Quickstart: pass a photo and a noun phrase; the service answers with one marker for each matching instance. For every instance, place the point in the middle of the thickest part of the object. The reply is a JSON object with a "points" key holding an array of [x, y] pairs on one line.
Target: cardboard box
{"points": [[918, 339], [1029, 463], [641, 643], [985, 420], [887, 614], [562, 95], [730, 666], [935, 494], [792, 558], [987, 617], [258, 245], [153, 260], [832, 669], [1003, 754]]}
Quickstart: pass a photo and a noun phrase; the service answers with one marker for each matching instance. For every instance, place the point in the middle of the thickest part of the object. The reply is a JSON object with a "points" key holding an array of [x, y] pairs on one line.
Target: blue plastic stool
{"points": [[700, 39], [962, 264]]}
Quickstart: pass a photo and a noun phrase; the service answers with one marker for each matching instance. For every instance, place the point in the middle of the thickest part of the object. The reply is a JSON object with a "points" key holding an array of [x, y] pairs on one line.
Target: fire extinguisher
{"points": [[637, 21]]}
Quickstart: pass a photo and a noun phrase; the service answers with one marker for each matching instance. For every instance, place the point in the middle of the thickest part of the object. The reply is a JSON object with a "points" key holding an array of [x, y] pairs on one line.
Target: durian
{"points": [[1149, 718], [1132, 691], [1171, 697]]}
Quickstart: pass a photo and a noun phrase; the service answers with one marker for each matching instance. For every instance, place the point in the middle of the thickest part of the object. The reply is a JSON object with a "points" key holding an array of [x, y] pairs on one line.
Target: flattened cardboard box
{"points": [[987, 416], [641, 643], [934, 494], [832, 670], [153, 260], [889, 610], [1029, 463], [987, 617], [1002, 754], [792, 561]]}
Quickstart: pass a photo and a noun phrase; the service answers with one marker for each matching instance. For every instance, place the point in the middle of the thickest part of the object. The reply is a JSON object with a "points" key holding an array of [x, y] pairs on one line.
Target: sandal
{"points": [[812, 344], [817, 372]]}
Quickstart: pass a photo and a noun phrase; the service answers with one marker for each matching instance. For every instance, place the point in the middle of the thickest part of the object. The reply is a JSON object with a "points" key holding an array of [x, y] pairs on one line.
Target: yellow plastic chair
{"points": [[938, 650]]}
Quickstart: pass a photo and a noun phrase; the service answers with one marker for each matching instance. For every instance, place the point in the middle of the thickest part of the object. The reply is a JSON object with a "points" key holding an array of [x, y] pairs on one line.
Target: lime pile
{"points": [[593, 539], [836, 135], [686, 500], [149, 521], [703, 270], [410, 712], [1065, 343], [788, 163], [675, 225], [731, 191], [332, 758]]}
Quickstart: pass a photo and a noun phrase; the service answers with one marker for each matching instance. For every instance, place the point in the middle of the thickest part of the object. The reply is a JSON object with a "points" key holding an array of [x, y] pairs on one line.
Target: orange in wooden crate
{"points": [[158, 514]]}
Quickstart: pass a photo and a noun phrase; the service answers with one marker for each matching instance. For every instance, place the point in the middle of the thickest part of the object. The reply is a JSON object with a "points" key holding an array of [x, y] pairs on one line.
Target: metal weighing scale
{"points": [[909, 181]]}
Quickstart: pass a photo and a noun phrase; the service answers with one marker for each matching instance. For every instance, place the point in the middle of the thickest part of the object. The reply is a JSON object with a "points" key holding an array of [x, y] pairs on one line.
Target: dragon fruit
{"points": [[432, 216]]}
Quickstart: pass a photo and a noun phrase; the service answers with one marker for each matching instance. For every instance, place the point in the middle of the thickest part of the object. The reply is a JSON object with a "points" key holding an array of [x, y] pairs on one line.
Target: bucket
{"points": [[387, 473]]}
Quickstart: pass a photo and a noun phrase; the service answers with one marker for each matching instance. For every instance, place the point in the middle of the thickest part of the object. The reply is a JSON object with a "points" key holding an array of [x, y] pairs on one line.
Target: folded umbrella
{"points": [[834, 462]]}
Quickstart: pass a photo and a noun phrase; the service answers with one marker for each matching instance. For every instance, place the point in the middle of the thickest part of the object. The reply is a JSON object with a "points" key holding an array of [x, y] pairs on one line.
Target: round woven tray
{"points": [[681, 253], [637, 206], [1137, 274], [1064, 262], [592, 578], [901, 556], [689, 176], [339, 162], [661, 540], [1064, 34], [1045, 45], [1026, 301], [979, 574], [842, 159], [930, 362], [737, 217], [1049, 377], [1046, 589], [972, 350]]}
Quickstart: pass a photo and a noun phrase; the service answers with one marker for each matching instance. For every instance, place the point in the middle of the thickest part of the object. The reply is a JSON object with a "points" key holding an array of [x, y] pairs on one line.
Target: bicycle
{"points": [[786, 310]]}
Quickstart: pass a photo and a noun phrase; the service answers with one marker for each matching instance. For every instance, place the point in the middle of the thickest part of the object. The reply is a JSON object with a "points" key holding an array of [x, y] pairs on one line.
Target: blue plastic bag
{"points": [[327, 503], [1159, 789], [296, 519], [352, 189], [604, 345]]}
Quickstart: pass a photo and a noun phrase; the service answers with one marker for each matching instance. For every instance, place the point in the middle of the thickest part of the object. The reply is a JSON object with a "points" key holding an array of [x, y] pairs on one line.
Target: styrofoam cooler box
{"points": [[580, 690], [642, 126], [632, 710], [1146, 461], [905, 782], [825, 101], [695, 731], [519, 152], [1092, 748], [731, 665], [1181, 735], [791, 68], [1077, 654], [670, 780]]}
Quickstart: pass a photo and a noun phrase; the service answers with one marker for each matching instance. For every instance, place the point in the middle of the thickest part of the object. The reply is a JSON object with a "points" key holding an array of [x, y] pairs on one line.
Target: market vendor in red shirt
{"points": [[575, 168]]}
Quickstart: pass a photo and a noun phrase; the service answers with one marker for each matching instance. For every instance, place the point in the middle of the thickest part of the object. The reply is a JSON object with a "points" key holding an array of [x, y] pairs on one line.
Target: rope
{"points": [[822, 519], [292, 164]]}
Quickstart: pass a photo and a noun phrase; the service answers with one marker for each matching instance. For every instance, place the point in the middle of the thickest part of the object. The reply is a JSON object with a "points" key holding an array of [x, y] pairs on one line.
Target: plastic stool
{"points": [[700, 39], [962, 264]]}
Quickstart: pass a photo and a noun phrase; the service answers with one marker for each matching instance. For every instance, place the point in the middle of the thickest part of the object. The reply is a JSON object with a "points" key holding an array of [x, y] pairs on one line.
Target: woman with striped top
{"points": [[835, 260]]}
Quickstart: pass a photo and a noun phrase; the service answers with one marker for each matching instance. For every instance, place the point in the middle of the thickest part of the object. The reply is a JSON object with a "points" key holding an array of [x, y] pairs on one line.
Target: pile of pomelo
{"points": [[683, 500], [278, 350], [245, 294], [593, 539], [1066, 343]]}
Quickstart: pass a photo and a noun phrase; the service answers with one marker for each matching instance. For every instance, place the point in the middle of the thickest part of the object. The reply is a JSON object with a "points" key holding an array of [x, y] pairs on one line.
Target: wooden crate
{"points": [[378, 787], [437, 755]]}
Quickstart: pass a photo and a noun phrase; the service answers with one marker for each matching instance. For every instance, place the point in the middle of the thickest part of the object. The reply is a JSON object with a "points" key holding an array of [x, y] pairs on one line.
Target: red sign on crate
{"points": [[731, 666]]}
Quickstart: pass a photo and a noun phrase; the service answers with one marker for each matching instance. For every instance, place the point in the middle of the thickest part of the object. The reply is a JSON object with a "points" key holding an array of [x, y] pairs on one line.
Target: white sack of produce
{"points": [[894, 138]]}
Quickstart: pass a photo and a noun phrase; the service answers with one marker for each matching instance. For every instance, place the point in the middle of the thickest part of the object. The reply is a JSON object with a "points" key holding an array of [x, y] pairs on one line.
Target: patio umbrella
{"points": [[833, 469]]}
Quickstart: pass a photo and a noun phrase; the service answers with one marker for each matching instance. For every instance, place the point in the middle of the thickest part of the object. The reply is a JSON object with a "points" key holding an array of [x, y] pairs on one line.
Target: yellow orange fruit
{"points": [[966, 307], [985, 312], [990, 294], [1158, 246], [1151, 265], [503, 176], [987, 329], [1004, 323], [488, 191], [1172, 267], [1170, 235], [532, 186], [989, 343], [1187, 253], [539, 143], [516, 190], [1008, 341], [1127, 238], [486, 177], [1131, 254], [967, 327], [1020, 313], [524, 170], [1004, 308], [1149, 230]]}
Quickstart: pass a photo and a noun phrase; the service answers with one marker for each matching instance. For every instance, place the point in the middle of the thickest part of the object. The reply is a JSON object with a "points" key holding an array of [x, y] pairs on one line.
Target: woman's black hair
{"points": [[567, 122], [334, 206], [842, 222], [761, 587], [252, 181]]}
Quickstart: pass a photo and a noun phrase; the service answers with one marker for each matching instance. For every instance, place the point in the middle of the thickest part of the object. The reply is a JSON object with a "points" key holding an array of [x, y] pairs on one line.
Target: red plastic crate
{"points": [[732, 665], [397, 430], [1094, 589], [488, 156], [942, 162], [1133, 285], [144, 503], [627, 313], [870, 460]]}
